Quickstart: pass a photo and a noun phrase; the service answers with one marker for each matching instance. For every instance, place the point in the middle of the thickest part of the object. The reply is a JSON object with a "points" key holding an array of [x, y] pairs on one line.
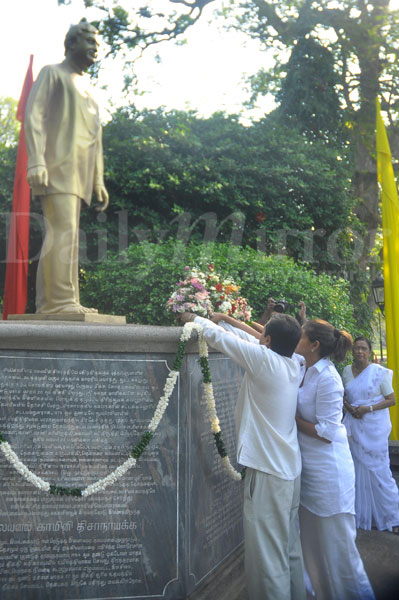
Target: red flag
{"points": [[16, 282]]}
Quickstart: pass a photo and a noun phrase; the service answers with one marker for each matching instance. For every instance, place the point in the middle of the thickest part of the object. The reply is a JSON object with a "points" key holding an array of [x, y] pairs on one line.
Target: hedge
{"points": [[138, 282]]}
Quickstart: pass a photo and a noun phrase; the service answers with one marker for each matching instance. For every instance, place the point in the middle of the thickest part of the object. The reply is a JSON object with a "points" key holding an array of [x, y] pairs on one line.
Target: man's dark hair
{"points": [[284, 332]]}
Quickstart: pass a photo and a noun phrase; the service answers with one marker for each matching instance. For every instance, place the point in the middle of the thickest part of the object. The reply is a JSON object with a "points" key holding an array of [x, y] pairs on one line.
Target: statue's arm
{"points": [[99, 187], [35, 127]]}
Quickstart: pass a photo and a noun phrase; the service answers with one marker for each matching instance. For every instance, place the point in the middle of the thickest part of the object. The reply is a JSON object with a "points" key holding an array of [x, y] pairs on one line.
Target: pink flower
{"points": [[195, 283], [201, 295]]}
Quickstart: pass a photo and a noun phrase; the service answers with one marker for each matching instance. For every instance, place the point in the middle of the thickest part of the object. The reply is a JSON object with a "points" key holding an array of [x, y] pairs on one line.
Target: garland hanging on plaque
{"points": [[138, 450]]}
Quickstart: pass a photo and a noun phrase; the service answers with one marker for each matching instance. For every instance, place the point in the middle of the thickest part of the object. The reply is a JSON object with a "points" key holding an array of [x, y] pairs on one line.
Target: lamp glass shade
{"points": [[377, 287]]}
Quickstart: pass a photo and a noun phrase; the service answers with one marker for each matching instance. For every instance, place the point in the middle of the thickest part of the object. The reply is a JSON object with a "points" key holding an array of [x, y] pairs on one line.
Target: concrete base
{"points": [[71, 317], [74, 336]]}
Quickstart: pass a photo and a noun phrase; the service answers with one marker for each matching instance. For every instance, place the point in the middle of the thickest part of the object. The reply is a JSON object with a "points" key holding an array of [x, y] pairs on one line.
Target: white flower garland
{"points": [[162, 405], [101, 484], [23, 469], [210, 401]]}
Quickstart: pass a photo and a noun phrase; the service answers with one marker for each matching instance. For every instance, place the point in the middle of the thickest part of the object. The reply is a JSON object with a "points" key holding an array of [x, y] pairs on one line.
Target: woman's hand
{"points": [[309, 429], [351, 409], [361, 410]]}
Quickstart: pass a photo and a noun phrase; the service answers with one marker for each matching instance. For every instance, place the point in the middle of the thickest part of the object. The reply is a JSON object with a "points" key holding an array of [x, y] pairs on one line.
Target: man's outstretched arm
{"points": [[248, 354], [216, 317]]}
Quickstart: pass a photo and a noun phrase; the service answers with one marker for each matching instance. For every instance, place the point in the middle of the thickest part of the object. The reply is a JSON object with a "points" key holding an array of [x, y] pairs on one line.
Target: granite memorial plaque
{"points": [[73, 418], [214, 498]]}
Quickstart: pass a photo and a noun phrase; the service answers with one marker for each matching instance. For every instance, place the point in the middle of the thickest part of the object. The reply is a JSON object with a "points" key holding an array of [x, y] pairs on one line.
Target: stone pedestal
{"points": [[76, 399], [70, 317]]}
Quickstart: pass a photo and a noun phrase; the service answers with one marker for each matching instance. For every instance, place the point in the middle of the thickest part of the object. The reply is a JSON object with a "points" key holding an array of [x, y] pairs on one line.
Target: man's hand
{"points": [[268, 312], [186, 317], [216, 317], [302, 312], [37, 176], [102, 197]]}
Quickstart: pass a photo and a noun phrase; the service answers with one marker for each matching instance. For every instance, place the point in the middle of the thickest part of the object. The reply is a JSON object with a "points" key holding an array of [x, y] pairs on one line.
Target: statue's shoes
{"points": [[79, 309], [73, 309]]}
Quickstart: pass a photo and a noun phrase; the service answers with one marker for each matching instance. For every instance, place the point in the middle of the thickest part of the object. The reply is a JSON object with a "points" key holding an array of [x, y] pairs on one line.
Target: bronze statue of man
{"points": [[65, 165]]}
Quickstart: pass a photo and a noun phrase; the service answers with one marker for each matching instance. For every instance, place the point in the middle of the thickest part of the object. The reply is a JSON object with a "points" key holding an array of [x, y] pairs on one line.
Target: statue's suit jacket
{"points": [[63, 133]]}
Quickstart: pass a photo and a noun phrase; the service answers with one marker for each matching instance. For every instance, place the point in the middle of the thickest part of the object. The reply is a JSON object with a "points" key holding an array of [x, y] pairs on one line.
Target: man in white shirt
{"points": [[267, 445]]}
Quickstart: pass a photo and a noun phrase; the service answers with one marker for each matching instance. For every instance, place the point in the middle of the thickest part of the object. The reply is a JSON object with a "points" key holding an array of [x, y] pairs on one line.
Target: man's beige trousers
{"points": [[273, 555]]}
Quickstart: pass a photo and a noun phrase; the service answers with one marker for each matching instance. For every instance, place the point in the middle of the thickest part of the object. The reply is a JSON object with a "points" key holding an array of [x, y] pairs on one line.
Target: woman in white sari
{"points": [[368, 396]]}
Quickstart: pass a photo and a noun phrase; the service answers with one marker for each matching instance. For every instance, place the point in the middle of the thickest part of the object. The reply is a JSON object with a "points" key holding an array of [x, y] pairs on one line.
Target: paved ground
{"points": [[380, 553], [379, 550]]}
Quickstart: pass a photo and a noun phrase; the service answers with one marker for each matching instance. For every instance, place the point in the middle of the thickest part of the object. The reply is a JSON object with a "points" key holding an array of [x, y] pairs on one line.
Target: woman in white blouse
{"points": [[368, 395], [327, 521]]}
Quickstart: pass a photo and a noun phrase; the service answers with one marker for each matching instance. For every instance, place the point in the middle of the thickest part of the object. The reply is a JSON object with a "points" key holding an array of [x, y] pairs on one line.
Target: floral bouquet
{"points": [[204, 293], [191, 295], [240, 309], [224, 296]]}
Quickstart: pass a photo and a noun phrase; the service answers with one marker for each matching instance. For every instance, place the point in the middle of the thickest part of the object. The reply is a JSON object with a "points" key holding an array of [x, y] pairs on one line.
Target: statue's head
{"points": [[81, 43]]}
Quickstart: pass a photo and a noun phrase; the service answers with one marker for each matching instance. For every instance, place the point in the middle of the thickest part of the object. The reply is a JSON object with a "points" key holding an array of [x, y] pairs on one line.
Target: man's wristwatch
{"points": [[371, 408]]}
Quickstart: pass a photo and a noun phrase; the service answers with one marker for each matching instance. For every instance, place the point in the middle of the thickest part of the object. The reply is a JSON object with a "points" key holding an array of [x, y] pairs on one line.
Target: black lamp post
{"points": [[377, 287]]}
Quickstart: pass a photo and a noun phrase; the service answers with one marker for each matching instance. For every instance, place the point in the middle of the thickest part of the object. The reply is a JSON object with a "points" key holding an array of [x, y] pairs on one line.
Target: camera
{"points": [[281, 306]]}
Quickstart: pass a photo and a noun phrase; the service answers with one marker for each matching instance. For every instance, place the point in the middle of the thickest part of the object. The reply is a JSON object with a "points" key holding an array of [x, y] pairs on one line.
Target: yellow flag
{"points": [[390, 226]]}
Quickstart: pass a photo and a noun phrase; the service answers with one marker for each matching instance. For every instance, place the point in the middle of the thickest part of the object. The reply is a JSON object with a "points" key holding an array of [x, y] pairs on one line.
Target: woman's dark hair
{"points": [[284, 332], [362, 338], [333, 342]]}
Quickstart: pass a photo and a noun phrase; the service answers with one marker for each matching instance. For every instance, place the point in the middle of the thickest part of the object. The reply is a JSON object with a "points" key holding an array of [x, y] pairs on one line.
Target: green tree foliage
{"points": [[356, 44], [9, 126], [127, 28], [361, 37], [176, 175], [362, 40], [308, 97], [9, 131], [8, 155], [139, 282]]}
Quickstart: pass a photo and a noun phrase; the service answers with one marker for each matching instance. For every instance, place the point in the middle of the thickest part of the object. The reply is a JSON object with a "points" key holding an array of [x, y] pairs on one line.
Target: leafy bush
{"points": [[170, 171], [138, 282]]}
